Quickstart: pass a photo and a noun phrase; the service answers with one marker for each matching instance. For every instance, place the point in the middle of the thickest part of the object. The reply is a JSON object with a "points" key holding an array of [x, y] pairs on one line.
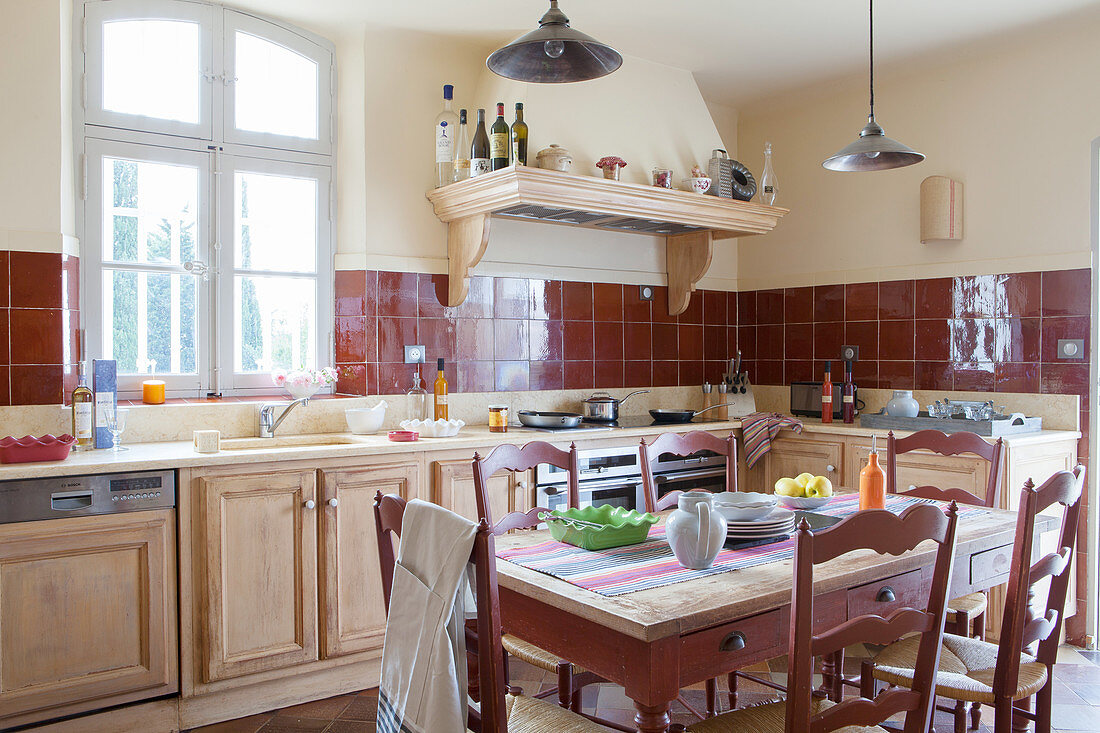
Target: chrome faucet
{"points": [[269, 423]]}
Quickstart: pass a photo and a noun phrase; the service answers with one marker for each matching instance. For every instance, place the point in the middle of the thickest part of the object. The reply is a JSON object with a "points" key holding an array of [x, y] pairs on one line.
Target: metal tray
{"points": [[1006, 425]]}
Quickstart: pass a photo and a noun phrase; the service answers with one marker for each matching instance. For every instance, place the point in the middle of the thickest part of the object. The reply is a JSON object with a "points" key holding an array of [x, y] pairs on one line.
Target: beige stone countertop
{"points": [[181, 454]]}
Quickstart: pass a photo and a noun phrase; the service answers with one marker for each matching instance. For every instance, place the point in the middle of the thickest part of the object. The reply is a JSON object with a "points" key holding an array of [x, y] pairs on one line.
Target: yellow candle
{"points": [[152, 392]]}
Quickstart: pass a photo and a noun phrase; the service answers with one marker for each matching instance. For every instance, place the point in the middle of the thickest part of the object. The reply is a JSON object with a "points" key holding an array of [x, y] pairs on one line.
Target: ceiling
{"points": [[739, 50]]}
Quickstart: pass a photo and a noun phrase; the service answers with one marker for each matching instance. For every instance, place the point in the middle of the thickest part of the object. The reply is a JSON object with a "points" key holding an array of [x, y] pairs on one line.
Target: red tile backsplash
{"points": [[35, 280], [1065, 292], [607, 302]]}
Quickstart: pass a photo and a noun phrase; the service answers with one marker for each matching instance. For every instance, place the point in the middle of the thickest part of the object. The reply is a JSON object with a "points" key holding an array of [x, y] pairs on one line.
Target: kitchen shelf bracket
{"points": [[467, 239], [687, 259]]}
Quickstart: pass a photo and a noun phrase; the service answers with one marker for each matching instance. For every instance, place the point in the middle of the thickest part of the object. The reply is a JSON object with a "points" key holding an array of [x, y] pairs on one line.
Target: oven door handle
{"points": [[688, 475], [586, 486]]}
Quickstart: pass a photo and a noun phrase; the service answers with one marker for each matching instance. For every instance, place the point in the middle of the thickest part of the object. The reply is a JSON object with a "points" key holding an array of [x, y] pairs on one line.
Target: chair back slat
{"points": [[388, 513], [885, 533], [519, 520], [509, 457], [943, 444], [682, 445], [1021, 627]]}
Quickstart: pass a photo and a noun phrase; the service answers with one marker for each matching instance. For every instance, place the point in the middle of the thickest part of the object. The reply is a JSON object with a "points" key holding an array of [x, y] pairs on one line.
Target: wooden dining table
{"points": [[654, 642]]}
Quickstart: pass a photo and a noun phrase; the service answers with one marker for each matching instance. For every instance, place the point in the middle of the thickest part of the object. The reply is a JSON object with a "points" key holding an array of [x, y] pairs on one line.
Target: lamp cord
{"points": [[871, 54]]}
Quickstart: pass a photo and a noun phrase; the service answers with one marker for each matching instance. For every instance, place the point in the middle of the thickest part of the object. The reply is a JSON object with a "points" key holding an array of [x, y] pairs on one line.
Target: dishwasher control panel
{"points": [[53, 498]]}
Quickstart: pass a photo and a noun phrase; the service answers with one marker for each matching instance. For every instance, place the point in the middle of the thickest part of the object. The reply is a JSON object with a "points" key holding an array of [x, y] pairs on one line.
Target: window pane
{"points": [[152, 68], [149, 324], [276, 323], [150, 211], [276, 227], [276, 89]]}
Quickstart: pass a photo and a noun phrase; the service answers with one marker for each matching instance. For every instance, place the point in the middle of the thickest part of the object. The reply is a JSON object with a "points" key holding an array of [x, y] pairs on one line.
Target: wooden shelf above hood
{"points": [[688, 221]]}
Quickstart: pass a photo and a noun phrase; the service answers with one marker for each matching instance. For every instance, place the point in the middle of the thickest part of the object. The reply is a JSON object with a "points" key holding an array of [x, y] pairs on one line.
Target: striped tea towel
{"points": [[760, 429]]}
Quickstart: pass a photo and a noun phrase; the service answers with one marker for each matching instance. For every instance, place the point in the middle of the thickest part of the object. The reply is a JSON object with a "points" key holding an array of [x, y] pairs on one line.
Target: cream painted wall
{"points": [[1013, 120]]}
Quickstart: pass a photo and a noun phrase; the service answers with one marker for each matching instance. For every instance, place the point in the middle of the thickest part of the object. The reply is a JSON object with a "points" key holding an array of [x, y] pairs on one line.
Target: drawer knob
{"points": [[309, 503], [830, 468], [333, 502], [886, 595], [734, 642]]}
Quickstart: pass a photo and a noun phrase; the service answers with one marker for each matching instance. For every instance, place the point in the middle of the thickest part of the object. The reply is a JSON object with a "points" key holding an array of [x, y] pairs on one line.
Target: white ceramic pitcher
{"points": [[695, 532]]}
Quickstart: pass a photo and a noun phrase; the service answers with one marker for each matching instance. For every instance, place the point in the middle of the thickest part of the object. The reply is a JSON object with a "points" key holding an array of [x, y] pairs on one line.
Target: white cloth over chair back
{"points": [[423, 686]]}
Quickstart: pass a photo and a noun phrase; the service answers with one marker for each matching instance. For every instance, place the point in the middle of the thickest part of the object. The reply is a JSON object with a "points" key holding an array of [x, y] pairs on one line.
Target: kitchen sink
{"points": [[289, 441]]}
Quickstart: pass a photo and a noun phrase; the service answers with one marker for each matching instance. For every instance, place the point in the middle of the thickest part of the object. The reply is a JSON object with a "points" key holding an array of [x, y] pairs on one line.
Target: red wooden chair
{"points": [[1008, 674], [683, 445], [498, 712], [803, 711]]}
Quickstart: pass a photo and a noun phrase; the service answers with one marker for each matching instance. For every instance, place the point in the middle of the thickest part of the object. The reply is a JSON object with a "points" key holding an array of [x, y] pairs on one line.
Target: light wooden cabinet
{"points": [[920, 468], [257, 558], [353, 614], [453, 487], [87, 613], [792, 456]]}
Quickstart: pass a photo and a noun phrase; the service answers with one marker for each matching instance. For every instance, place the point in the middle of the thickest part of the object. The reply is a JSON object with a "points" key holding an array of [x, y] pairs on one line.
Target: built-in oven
{"points": [[607, 476], [703, 470]]}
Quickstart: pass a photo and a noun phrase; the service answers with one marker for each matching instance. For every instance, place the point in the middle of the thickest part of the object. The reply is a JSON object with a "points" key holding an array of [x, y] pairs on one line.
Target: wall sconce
{"points": [[941, 210]]}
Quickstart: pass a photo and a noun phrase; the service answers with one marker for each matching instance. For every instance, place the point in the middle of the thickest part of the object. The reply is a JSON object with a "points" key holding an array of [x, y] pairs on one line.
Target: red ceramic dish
{"points": [[30, 449], [404, 436]]}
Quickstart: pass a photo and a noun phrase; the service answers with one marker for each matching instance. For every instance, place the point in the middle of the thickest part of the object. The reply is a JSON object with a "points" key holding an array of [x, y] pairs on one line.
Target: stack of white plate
{"points": [[779, 522]]}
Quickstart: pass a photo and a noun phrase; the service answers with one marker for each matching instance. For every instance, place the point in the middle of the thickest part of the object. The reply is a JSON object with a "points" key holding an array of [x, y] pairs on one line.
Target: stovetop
{"points": [[628, 421]]}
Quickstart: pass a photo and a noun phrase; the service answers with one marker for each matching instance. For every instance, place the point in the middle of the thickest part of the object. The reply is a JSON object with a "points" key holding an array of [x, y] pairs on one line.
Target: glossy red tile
{"points": [[798, 305], [351, 379], [712, 373], [36, 335], [747, 314], [607, 302], [861, 301], [694, 312], [439, 336], [731, 308], [934, 375], [351, 339], [547, 375], [691, 373], [715, 342], [70, 282], [545, 299], [1052, 330], [578, 344], [512, 376], [828, 303], [511, 298], [896, 300], [798, 370], [546, 340], [393, 335], [973, 340], [896, 374], [579, 375], [638, 374], [974, 376], [769, 342], [691, 343], [1017, 339], [636, 310], [863, 334], [476, 376], [34, 280], [746, 342], [473, 338], [666, 373], [608, 375], [769, 306], [975, 296], [397, 294], [351, 293], [1065, 292], [769, 371], [798, 341], [396, 379], [511, 340], [1016, 377], [659, 311], [36, 385], [666, 342], [731, 342], [864, 373], [577, 301], [828, 338], [1021, 294], [3, 281], [5, 386], [607, 341], [933, 338], [714, 307], [5, 352], [479, 300], [638, 341], [934, 297]]}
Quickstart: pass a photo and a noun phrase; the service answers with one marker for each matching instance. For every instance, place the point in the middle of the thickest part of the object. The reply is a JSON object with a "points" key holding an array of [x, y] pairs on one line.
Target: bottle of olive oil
{"points": [[519, 137], [440, 388], [498, 140], [83, 412]]}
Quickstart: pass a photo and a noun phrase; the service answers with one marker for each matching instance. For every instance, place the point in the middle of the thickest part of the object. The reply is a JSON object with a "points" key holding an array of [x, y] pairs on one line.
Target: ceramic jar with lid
{"points": [[903, 404], [555, 158]]}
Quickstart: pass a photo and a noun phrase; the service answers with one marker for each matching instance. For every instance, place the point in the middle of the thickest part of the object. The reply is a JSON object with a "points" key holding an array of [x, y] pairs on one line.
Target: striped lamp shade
{"points": [[941, 210]]}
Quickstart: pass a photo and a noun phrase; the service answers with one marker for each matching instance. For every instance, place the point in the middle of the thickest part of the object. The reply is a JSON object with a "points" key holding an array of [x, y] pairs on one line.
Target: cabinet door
{"points": [[257, 557], [454, 488], [353, 614], [922, 468], [792, 456], [87, 613]]}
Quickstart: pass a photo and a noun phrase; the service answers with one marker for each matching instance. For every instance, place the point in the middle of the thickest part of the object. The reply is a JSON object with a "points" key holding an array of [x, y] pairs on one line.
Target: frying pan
{"points": [[671, 416], [539, 419]]}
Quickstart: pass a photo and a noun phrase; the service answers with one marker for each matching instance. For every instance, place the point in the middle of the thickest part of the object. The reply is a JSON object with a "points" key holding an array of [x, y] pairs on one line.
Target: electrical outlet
{"points": [[849, 353], [645, 292], [414, 354], [1071, 348]]}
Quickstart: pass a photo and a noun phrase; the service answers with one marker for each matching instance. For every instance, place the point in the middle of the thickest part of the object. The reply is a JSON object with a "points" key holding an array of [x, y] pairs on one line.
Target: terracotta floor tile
{"points": [[351, 726], [251, 724], [362, 707], [328, 708], [287, 724]]}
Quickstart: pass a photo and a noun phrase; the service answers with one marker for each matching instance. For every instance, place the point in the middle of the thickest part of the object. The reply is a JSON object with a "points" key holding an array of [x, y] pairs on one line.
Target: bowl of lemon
{"points": [[804, 491]]}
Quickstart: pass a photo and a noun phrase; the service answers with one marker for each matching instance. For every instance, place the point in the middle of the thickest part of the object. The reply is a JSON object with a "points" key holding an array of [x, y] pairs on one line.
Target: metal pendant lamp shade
{"points": [[873, 151], [554, 53]]}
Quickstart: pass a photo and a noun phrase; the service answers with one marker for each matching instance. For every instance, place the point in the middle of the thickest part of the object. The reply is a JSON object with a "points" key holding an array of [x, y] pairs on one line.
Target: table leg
{"points": [[652, 718]]}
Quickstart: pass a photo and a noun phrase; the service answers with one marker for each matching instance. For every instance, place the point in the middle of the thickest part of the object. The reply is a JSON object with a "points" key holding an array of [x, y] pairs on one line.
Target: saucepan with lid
{"points": [[602, 407]]}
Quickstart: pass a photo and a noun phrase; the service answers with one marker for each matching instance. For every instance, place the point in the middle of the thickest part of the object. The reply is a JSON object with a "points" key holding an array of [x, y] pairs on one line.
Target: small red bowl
{"points": [[30, 449], [404, 436]]}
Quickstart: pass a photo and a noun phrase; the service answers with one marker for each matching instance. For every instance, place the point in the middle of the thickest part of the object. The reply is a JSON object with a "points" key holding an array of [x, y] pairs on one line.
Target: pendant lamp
{"points": [[873, 151], [554, 53]]}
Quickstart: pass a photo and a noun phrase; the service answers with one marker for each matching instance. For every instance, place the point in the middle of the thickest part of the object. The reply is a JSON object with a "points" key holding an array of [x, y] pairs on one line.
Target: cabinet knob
{"points": [[733, 642], [521, 484], [886, 595], [830, 467], [309, 503], [333, 502]]}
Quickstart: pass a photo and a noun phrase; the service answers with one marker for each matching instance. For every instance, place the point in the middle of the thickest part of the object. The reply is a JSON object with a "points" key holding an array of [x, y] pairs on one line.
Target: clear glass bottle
{"points": [[446, 128], [416, 399], [83, 407], [462, 149], [769, 185]]}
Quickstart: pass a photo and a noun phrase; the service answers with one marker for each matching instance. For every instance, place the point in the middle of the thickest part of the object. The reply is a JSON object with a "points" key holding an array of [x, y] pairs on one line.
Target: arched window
{"points": [[207, 138]]}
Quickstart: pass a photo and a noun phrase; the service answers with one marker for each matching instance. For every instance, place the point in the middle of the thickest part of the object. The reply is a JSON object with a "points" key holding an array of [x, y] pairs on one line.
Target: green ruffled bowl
{"points": [[622, 527]]}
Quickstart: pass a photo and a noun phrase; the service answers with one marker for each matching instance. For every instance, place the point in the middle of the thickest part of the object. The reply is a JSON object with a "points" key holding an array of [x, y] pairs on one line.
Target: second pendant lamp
{"points": [[873, 151]]}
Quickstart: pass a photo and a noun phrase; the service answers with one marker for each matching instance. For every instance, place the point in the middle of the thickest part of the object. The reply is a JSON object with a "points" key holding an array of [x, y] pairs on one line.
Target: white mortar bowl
{"points": [[366, 420]]}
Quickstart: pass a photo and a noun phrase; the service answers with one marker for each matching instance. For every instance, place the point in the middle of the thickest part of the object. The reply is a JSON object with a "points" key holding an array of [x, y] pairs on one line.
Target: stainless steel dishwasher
{"points": [[87, 593]]}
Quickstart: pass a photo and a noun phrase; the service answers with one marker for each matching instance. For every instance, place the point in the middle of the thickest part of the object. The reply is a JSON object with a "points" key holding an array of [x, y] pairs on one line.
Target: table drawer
{"points": [[990, 567], [705, 654], [885, 596]]}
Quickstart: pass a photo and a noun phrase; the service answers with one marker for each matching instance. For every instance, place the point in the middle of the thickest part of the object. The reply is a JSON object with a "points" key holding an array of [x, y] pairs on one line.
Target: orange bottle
{"points": [[872, 481], [441, 406]]}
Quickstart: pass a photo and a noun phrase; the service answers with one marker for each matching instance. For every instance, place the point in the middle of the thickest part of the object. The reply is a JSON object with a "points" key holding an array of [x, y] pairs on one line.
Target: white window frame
{"points": [[100, 132]]}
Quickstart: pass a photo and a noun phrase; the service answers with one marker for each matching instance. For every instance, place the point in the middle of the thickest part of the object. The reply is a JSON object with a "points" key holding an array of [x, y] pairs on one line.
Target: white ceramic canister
{"points": [[695, 531], [903, 404]]}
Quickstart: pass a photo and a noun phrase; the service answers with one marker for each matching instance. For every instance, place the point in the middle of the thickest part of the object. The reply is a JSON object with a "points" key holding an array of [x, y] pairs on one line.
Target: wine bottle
{"points": [[519, 137], [498, 140], [462, 149], [446, 127], [440, 389], [827, 394], [479, 149], [848, 396], [83, 412]]}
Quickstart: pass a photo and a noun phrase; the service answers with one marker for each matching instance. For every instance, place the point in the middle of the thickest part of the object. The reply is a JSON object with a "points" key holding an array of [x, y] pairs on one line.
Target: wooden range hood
{"points": [[690, 222]]}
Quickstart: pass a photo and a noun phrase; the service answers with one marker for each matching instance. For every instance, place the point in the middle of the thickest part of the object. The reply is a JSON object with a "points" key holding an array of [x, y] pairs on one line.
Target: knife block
{"points": [[741, 405]]}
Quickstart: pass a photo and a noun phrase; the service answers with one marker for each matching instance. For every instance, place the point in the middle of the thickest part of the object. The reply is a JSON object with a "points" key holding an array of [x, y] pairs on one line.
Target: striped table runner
{"points": [[651, 564]]}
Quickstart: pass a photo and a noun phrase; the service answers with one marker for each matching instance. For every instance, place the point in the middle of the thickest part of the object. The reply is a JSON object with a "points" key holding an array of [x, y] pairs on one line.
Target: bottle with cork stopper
{"points": [[872, 481]]}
